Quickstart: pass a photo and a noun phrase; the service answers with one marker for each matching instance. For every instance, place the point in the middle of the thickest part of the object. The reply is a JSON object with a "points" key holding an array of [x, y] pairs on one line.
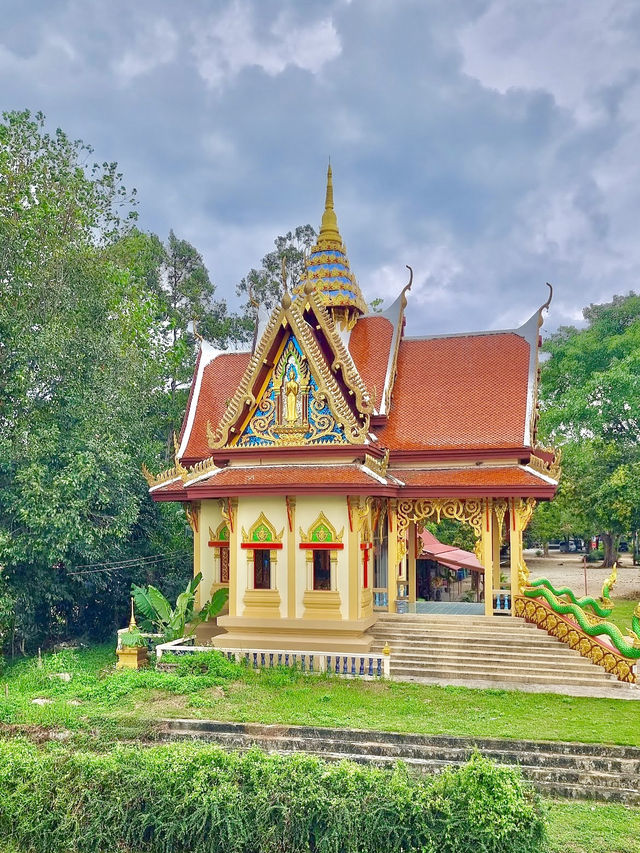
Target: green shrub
{"points": [[132, 639], [206, 663], [595, 556], [198, 798]]}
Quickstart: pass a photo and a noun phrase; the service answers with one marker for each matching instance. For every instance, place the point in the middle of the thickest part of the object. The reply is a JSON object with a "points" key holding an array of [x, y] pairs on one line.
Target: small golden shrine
{"points": [[313, 459]]}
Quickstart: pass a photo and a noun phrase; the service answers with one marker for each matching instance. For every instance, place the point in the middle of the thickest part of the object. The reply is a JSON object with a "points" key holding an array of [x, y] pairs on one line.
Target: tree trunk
{"points": [[610, 543], [545, 549]]}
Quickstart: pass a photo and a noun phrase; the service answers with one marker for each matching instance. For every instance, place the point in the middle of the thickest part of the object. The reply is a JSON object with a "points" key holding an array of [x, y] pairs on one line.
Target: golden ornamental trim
{"points": [[162, 477], [612, 662], [306, 537], [254, 535], [327, 384], [548, 469], [470, 511], [377, 465]]}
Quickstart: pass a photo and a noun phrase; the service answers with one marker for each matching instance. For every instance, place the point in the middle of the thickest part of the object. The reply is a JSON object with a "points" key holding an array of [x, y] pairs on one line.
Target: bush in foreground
{"points": [[197, 798]]}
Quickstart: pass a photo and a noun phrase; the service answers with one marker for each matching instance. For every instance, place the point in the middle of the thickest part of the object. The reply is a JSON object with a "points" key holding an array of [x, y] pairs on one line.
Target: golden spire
{"points": [[329, 226]]}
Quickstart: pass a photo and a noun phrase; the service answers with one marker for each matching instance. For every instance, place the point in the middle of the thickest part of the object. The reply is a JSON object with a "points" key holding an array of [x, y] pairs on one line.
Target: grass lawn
{"points": [[576, 827], [99, 705], [622, 613], [102, 705]]}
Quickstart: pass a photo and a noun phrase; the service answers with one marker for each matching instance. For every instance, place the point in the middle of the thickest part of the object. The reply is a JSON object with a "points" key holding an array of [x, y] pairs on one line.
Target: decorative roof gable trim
{"points": [[246, 396], [398, 323], [206, 355]]}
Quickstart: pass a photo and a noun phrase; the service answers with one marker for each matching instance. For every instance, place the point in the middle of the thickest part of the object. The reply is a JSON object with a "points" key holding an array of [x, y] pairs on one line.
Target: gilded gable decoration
{"points": [[262, 534], [220, 536], [350, 408], [321, 534]]}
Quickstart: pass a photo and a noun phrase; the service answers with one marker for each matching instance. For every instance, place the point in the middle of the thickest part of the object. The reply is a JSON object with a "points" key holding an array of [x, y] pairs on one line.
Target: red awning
{"points": [[448, 555]]}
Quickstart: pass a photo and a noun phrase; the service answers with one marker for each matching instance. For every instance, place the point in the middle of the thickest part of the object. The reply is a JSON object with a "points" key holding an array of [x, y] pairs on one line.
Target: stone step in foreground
{"points": [[575, 771], [468, 650]]}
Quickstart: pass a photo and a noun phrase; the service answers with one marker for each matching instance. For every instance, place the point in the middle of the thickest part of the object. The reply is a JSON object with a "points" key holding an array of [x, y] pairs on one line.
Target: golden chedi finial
{"points": [[327, 270], [329, 225]]}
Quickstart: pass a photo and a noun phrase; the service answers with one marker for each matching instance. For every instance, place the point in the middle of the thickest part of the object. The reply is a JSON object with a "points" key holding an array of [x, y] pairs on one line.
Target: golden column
{"points": [[520, 512], [392, 555], [411, 565], [486, 554]]}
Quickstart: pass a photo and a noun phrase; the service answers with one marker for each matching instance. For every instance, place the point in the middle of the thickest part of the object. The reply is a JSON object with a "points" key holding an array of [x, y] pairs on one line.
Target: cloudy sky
{"points": [[491, 144]]}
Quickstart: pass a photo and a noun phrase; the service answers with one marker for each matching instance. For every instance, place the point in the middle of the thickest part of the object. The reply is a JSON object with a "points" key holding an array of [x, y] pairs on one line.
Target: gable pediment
{"points": [[301, 385]]}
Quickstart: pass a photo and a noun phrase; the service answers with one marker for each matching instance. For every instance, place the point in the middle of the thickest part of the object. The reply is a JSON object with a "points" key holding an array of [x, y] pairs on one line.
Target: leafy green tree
{"points": [[264, 286], [80, 375], [590, 405], [181, 620]]}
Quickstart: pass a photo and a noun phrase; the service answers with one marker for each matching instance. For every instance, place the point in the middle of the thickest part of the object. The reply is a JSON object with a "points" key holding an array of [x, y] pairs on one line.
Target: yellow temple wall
{"points": [[210, 517], [335, 509], [275, 510]]}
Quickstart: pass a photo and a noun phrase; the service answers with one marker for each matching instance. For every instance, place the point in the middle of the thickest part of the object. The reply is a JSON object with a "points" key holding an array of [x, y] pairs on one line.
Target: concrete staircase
{"points": [[481, 651], [572, 770]]}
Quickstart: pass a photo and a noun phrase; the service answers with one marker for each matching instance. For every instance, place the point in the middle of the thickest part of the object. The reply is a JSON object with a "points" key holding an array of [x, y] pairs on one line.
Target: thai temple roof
{"points": [[384, 413], [327, 266]]}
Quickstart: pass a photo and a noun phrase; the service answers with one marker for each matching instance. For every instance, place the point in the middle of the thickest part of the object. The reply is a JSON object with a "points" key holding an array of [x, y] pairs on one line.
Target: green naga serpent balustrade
{"points": [[569, 619]]}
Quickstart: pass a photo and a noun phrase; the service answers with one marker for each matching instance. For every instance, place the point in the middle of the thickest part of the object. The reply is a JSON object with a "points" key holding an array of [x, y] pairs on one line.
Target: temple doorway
{"points": [[449, 578]]}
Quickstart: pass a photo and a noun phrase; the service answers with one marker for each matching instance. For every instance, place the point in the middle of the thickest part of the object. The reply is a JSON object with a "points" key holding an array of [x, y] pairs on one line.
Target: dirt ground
{"points": [[567, 570]]}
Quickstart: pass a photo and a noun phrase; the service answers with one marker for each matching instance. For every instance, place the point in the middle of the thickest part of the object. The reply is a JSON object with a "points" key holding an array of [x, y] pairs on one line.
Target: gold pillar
{"points": [[496, 552], [392, 556], [486, 554], [411, 567], [291, 557], [520, 512]]}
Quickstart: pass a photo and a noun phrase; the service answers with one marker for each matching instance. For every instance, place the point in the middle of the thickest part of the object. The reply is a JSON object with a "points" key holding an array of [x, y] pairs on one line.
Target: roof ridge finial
{"points": [[329, 226]]}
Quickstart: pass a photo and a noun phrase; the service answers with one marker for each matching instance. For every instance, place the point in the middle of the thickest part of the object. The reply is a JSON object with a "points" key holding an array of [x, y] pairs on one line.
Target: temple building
{"points": [[309, 463]]}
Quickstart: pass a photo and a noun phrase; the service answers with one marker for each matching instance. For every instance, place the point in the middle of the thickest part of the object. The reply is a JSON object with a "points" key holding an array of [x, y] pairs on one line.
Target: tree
{"points": [[264, 286], [590, 404], [81, 373]]}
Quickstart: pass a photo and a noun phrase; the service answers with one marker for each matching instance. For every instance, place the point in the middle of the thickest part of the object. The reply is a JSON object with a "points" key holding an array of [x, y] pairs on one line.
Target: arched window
{"points": [[322, 543]]}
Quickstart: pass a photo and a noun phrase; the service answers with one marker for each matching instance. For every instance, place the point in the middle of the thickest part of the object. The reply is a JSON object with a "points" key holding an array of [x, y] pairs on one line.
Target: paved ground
{"points": [[567, 570]]}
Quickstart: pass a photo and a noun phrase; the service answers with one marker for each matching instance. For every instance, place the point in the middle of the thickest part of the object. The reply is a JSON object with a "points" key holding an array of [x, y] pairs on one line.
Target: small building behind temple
{"points": [[308, 464]]}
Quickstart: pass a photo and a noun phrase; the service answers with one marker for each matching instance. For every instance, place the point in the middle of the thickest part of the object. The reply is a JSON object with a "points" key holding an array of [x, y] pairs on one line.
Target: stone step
{"points": [[474, 652], [552, 747], [451, 633], [489, 662], [477, 679], [443, 619], [463, 640], [574, 770]]}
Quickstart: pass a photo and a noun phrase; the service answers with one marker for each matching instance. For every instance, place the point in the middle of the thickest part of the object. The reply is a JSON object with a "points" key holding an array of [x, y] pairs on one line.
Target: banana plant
{"points": [[180, 620]]}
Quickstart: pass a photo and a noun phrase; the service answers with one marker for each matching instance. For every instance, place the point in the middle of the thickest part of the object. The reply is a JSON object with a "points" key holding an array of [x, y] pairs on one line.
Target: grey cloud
{"points": [[491, 150]]}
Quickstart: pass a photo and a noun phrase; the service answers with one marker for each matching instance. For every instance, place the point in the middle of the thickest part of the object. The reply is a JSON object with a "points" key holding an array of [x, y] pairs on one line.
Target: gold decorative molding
{"points": [[192, 511], [500, 507], [612, 662], [262, 532], [548, 469], [320, 531], [377, 465], [204, 467], [470, 511], [522, 513], [158, 479], [227, 511], [354, 423]]}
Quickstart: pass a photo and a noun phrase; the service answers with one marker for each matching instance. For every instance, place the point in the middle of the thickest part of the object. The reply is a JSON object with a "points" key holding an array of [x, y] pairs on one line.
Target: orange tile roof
{"points": [[286, 475], [459, 392], [369, 346], [482, 476], [220, 380]]}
